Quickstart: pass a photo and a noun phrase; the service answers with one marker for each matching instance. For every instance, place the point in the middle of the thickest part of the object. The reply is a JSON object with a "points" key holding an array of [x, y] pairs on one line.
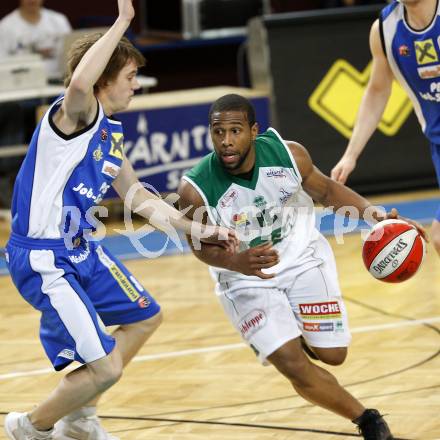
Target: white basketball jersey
{"points": [[270, 206]]}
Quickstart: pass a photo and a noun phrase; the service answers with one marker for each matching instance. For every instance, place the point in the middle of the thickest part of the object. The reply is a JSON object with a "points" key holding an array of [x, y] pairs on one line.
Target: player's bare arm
{"points": [[333, 194], [371, 109], [79, 106], [163, 216], [248, 262]]}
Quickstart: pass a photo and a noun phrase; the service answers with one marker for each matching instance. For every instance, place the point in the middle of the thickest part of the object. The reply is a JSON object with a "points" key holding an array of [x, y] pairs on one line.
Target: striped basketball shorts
{"points": [[79, 292]]}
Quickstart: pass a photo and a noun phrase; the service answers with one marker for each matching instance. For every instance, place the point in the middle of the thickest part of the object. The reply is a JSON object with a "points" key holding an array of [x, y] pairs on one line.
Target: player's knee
{"points": [[332, 356], [107, 377], [107, 372], [295, 370]]}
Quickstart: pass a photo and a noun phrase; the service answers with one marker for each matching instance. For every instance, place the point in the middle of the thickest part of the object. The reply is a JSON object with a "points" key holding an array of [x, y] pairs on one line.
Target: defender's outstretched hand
{"points": [[220, 236], [343, 169], [394, 214]]}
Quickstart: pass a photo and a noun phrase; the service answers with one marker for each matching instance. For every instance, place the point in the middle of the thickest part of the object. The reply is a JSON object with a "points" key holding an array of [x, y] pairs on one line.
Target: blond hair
{"points": [[123, 53]]}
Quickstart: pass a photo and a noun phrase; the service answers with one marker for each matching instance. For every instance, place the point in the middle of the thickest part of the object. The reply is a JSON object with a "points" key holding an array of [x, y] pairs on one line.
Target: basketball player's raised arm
{"points": [[79, 102], [163, 216], [248, 262], [371, 109]]}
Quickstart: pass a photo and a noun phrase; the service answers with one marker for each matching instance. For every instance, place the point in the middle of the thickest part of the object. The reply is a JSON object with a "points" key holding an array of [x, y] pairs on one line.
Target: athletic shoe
{"points": [[82, 424], [19, 427], [372, 426]]}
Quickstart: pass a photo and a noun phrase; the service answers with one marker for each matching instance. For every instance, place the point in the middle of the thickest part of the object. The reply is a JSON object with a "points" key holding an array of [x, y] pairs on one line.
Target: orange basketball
{"points": [[393, 251]]}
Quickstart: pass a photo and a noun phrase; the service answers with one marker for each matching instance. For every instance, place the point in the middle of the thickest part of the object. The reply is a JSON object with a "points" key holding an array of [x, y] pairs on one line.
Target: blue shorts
{"points": [[78, 292], [435, 151]]}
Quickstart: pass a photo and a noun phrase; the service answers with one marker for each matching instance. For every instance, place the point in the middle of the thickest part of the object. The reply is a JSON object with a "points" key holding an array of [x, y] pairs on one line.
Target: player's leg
{"points": [[320, 312], [119, 300], [70, 330], [314, 383], [321, 388]]}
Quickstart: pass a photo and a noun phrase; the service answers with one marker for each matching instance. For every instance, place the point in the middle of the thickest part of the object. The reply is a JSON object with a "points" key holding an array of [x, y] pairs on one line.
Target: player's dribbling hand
{"points": [[126, 9], [253, 260], [394, 214], [342, 170]]}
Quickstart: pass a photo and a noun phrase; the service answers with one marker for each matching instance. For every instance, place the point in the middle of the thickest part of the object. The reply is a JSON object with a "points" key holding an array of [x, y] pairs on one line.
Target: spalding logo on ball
{"points": [[393, 251]]}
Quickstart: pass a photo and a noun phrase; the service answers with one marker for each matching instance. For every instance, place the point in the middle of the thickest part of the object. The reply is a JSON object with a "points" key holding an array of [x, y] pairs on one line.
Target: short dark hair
{"points": [[233, 102]]}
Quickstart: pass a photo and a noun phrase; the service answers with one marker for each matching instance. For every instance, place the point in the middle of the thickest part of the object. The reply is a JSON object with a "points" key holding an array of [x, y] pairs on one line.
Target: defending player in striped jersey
{"points": [[283, 285], [76, 154]]}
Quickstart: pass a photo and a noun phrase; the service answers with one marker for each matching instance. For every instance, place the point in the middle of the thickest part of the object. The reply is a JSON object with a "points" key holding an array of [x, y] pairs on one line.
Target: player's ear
{"points": [[254, 130]]}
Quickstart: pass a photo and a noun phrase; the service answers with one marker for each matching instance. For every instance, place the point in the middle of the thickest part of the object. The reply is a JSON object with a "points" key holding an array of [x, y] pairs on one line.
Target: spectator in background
{"points": [[33, 29], [28, 29]]}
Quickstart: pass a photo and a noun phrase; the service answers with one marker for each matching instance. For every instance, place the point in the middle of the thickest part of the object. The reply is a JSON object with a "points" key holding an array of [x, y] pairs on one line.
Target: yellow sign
{"points": [[425, 52], [338, 96], [117, 149]]}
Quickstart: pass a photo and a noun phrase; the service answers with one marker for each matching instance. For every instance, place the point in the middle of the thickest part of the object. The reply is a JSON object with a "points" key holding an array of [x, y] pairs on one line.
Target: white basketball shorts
{"points": [[312, 305]]}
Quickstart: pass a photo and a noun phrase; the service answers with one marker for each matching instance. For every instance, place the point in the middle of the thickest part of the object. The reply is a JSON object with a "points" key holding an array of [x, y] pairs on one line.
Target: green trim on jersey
{"points": [[214, 180]]}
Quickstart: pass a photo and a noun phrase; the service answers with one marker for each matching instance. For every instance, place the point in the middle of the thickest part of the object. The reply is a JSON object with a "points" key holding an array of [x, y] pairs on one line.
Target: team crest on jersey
{"points": [[117, 147], [404, 50], [260, 202], [425, 52], [104, 134], [98, 154]]}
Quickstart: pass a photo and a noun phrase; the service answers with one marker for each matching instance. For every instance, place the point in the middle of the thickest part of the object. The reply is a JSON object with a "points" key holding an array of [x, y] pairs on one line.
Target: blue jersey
{"points": [[63, 176], [414, 58]]}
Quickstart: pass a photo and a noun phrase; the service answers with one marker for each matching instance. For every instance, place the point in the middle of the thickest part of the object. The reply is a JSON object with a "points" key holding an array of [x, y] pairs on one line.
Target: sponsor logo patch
{"points": [[252, 322], [117, 148], [240, 219], [318, 326], [323, 310], [228, 198], [66, 353], [276, 173], [425, 52], [404, 50], [104, 134], [143, 302], [110, 169], [428, 72], [284, 195]]}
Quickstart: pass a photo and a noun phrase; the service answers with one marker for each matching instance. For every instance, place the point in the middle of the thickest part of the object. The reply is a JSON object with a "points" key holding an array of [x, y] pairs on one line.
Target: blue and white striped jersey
{"points": [[63, 176], [414, 58]]}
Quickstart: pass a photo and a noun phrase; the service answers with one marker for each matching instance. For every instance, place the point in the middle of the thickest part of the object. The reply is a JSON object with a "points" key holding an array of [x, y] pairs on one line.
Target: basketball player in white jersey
{"points": [[283, 284], [75, 155]]}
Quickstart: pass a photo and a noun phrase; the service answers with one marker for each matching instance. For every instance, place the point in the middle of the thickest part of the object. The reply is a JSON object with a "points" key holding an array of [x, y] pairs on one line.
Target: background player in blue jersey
{"points": [[75, 155], [404, 44]]}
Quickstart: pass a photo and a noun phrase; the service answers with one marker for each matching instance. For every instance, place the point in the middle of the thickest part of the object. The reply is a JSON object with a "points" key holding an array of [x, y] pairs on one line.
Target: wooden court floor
{"points": [[195, 380]]}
